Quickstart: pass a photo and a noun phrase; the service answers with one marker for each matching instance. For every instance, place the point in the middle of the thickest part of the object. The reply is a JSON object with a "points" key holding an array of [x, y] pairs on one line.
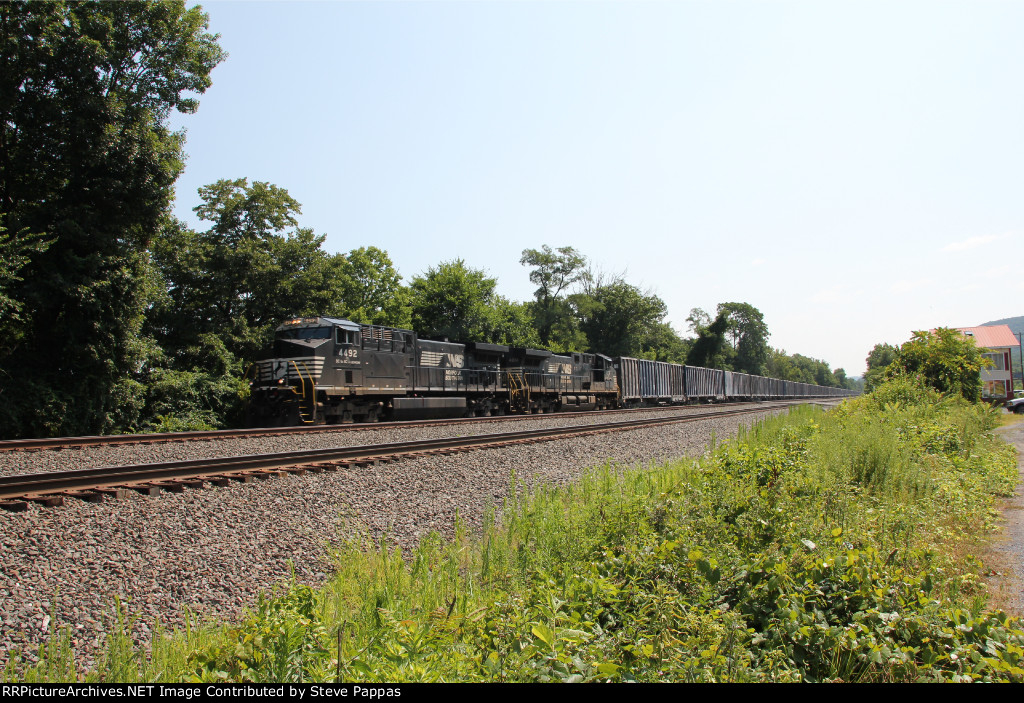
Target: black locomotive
{"points": [[329, 370]]}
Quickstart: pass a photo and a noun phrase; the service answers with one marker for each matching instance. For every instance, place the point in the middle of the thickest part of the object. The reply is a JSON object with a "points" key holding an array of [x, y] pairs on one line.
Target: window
{"points": [[993, 389], [306, 333], [347, 336], [998, 361]]}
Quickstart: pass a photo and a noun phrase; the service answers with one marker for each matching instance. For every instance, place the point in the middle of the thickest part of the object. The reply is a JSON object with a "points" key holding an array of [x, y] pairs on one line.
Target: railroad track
{"points": [[96, 485], [58, 443]]}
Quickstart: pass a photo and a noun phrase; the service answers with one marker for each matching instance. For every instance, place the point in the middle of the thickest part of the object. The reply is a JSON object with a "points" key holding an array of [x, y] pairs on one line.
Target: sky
{"points": [[853, 170]]}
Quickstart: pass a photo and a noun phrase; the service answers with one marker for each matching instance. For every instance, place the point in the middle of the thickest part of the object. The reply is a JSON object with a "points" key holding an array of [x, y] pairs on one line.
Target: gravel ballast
{"points": [[24, 462], [211, 551]]}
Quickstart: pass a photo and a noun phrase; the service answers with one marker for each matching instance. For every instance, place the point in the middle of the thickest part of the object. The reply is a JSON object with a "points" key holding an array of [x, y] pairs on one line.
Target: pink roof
{"points": [[992, 337]]}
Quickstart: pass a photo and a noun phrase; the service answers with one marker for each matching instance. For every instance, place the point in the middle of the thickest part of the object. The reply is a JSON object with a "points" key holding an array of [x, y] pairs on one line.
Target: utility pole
{"points": [[1020, 353]]}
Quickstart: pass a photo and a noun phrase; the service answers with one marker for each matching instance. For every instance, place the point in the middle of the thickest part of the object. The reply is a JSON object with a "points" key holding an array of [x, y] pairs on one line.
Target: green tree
{"points": [[819, 372], [880, 357], [240, 278], [841, 378], [780, 366], [88, 163], [372, 290], [511, 323], [804, 369], [552, 273], [945, 359], [460, 303], [711, 348], [15, 253], [616, 317], [749, 336], [662, 343], [745, 333], [454, 301]]}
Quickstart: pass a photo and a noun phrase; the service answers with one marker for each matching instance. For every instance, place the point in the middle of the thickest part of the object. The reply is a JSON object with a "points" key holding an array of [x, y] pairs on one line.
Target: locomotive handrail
{"points": [[312, 392]]}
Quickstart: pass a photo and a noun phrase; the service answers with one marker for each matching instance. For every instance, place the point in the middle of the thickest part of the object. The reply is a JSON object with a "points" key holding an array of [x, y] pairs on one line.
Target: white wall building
{"points": [[996, 380]]}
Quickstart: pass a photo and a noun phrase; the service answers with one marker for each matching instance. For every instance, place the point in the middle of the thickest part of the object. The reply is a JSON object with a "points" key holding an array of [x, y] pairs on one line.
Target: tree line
{"points": [[117, 317]]}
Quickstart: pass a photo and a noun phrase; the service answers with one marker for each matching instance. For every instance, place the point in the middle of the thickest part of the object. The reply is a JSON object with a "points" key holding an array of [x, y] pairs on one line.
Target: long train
{"points": [[329, 370]]}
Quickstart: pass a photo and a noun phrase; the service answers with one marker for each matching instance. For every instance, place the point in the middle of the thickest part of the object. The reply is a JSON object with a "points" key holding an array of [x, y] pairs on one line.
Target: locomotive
{"points": [[326, 370]]}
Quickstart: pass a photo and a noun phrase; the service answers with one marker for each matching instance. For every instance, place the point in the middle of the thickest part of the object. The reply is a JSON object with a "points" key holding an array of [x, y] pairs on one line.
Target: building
{"points": [[996, 380]]}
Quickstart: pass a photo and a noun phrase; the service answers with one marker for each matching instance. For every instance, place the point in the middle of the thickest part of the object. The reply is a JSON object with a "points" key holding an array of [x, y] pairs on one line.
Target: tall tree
{"points": [[552, 273], [372, 290], [454, 301], [252, 268], [663, 343], [15, 253], [617, 317], [737, 342], [749, 336], [88, 163], [879, 358], [511, 323], [711, 348]]}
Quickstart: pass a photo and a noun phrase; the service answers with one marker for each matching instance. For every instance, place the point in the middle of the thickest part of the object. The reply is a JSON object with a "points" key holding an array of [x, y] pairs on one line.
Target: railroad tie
{"points": [[146, 489], [49, 501], [14, 506], [173, 486], [116, 493], [90, 496]]}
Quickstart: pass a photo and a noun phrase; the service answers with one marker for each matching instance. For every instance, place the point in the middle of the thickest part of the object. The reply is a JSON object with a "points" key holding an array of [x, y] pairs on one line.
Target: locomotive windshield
{"points": [[306, 333]]}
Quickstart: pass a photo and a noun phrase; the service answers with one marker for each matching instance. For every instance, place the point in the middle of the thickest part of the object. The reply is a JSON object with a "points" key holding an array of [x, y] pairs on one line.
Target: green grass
{"points": [[814, 547]]}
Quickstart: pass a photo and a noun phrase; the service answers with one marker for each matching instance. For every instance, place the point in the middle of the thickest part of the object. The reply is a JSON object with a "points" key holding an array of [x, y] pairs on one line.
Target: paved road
{"points": [[1008, 550]]}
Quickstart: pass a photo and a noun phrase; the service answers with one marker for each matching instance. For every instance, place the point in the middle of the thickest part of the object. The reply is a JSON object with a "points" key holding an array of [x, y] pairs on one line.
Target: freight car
{"points": [[330, 370], [644, 382]]}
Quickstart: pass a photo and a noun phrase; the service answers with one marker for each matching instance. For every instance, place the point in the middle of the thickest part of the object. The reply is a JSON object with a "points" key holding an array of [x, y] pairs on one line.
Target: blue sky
{"points": [[853, 170]]}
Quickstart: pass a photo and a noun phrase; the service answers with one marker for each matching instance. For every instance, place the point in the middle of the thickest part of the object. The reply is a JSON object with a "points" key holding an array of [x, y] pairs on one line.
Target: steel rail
{"points": [[27, 487], [10, 445]]}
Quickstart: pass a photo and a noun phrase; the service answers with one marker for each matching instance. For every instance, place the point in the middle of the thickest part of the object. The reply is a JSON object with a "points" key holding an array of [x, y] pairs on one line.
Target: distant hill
{"points": [[1016, 325]]}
